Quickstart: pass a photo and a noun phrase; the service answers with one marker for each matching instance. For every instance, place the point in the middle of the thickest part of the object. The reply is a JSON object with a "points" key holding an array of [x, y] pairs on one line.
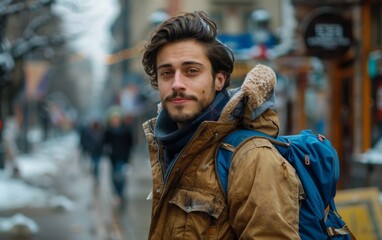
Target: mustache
{"points": [[180, 95]]}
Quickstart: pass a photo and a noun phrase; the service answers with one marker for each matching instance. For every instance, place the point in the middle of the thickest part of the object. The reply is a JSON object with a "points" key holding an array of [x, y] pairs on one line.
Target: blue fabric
{"points": [[223, 167], [238, 111], [95, 162], [319, 175], [119, 177]]}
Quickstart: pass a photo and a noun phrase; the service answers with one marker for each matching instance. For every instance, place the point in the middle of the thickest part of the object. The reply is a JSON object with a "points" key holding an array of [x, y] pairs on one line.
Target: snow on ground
{"points": [[36, 172]]}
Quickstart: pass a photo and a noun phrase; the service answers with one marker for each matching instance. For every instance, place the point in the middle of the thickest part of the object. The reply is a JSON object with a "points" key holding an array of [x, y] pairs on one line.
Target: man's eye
{"points": [[192, 71], [166, 73]]}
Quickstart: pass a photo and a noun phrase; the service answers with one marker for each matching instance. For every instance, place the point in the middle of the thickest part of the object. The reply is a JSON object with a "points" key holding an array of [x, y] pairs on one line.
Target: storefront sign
{"points": [[361, 209], [327, 33]]}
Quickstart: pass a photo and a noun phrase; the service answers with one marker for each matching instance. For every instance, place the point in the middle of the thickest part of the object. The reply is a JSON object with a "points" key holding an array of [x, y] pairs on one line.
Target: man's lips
{"points": [[179, 100]]}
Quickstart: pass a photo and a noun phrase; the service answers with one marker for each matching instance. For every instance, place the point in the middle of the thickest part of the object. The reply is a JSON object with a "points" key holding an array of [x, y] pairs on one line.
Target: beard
{"points": [[180, 114]]}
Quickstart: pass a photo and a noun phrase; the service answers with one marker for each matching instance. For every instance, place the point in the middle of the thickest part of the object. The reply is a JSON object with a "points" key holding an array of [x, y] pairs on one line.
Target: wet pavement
{"points": [[132, 222], [73, 208]]}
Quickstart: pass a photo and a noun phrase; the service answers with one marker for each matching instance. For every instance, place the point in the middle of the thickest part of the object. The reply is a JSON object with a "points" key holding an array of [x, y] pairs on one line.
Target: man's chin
{"points": [[182, 117]]}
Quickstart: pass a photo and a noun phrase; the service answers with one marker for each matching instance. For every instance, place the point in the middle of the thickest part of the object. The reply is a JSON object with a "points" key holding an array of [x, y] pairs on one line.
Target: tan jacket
{"points": [[263, 188]]}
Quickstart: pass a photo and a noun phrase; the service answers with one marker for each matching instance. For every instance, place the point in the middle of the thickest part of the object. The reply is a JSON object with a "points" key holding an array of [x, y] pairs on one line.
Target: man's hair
{"points": [[197, 25]]}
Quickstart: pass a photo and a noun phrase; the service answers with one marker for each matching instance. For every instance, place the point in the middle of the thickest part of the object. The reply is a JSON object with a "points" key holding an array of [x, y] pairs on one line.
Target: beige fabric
{"points": [[261, 80]]}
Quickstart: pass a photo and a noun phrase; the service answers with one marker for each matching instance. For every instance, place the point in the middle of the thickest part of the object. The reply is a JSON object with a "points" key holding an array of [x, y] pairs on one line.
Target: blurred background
{"points": [[65, 63]]}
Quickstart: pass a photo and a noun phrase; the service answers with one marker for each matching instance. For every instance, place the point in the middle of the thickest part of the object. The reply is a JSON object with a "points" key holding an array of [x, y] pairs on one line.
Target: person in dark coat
{"points": [[82, 130], [94, 139], [118, 140]]}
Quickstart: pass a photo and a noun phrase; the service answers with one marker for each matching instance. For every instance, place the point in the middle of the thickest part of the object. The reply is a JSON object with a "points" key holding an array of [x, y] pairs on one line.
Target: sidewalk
{"points": [[132, 223], [54, 197], [136, 218]]}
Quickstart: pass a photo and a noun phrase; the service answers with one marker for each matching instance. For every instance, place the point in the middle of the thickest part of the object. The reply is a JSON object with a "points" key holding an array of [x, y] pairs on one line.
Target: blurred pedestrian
{"points": [[82, 129], [118, 142], [94, 142]]}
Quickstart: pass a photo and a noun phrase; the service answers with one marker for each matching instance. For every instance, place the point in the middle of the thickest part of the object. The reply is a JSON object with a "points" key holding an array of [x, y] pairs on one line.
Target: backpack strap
{"points": [[332, 231], [345, 230], [229, 145]]}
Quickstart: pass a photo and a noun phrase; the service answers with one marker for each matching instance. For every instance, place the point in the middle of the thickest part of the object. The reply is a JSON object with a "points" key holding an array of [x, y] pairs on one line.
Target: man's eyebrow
{"points": [[165, 65], [191, 63]]}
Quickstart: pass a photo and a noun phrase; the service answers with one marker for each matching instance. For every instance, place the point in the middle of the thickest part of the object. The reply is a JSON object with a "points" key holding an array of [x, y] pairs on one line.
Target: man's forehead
{"points": [[182, 53]]}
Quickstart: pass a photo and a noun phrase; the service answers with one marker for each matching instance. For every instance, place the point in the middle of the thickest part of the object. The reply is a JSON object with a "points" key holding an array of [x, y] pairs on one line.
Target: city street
{"points": [[61, 202], [70, 66]]}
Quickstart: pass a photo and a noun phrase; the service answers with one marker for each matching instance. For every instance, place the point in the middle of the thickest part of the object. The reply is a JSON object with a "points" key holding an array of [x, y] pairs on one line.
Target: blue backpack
{"points": [[317, 164]]}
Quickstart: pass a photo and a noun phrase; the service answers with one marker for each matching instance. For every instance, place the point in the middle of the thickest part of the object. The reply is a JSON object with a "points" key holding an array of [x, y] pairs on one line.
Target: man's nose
{"points": [[178, 82]]}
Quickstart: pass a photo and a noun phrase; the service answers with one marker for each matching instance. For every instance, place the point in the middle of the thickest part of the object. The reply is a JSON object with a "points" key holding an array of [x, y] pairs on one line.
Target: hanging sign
{"points": [[327, 33]]}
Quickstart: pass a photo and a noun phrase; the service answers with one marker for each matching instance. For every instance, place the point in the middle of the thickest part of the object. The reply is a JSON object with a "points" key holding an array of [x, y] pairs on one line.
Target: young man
{"points": [[191, 69]]}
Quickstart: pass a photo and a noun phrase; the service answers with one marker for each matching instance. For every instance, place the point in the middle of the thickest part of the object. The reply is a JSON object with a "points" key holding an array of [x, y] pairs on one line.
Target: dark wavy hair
{"points": [[197, 25]]}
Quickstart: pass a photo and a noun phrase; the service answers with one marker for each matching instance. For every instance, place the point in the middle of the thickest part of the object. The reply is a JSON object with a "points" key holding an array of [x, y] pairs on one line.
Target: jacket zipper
{"points": [[166, 176], [171, 166]]}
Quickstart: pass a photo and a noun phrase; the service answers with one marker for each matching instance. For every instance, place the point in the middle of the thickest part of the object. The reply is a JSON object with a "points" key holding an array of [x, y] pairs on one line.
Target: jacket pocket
{"points": [[196, 214]]}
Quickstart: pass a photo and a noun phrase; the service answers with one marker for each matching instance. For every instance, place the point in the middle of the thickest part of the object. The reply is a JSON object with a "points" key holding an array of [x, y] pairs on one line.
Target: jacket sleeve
{"points": [[263, 193]]}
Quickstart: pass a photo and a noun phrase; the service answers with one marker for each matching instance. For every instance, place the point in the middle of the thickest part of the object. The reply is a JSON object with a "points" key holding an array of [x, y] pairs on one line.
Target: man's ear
{"points": [[219, 81]]}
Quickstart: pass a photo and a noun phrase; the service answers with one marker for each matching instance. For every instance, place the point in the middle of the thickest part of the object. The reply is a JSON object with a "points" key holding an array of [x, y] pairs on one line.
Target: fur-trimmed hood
{"points": [[256, 93], [254, 101]]}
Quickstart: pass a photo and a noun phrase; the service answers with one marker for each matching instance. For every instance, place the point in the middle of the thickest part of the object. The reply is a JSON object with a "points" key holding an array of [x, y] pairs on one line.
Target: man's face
{"points": [[185, 81], [115, 121]]}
